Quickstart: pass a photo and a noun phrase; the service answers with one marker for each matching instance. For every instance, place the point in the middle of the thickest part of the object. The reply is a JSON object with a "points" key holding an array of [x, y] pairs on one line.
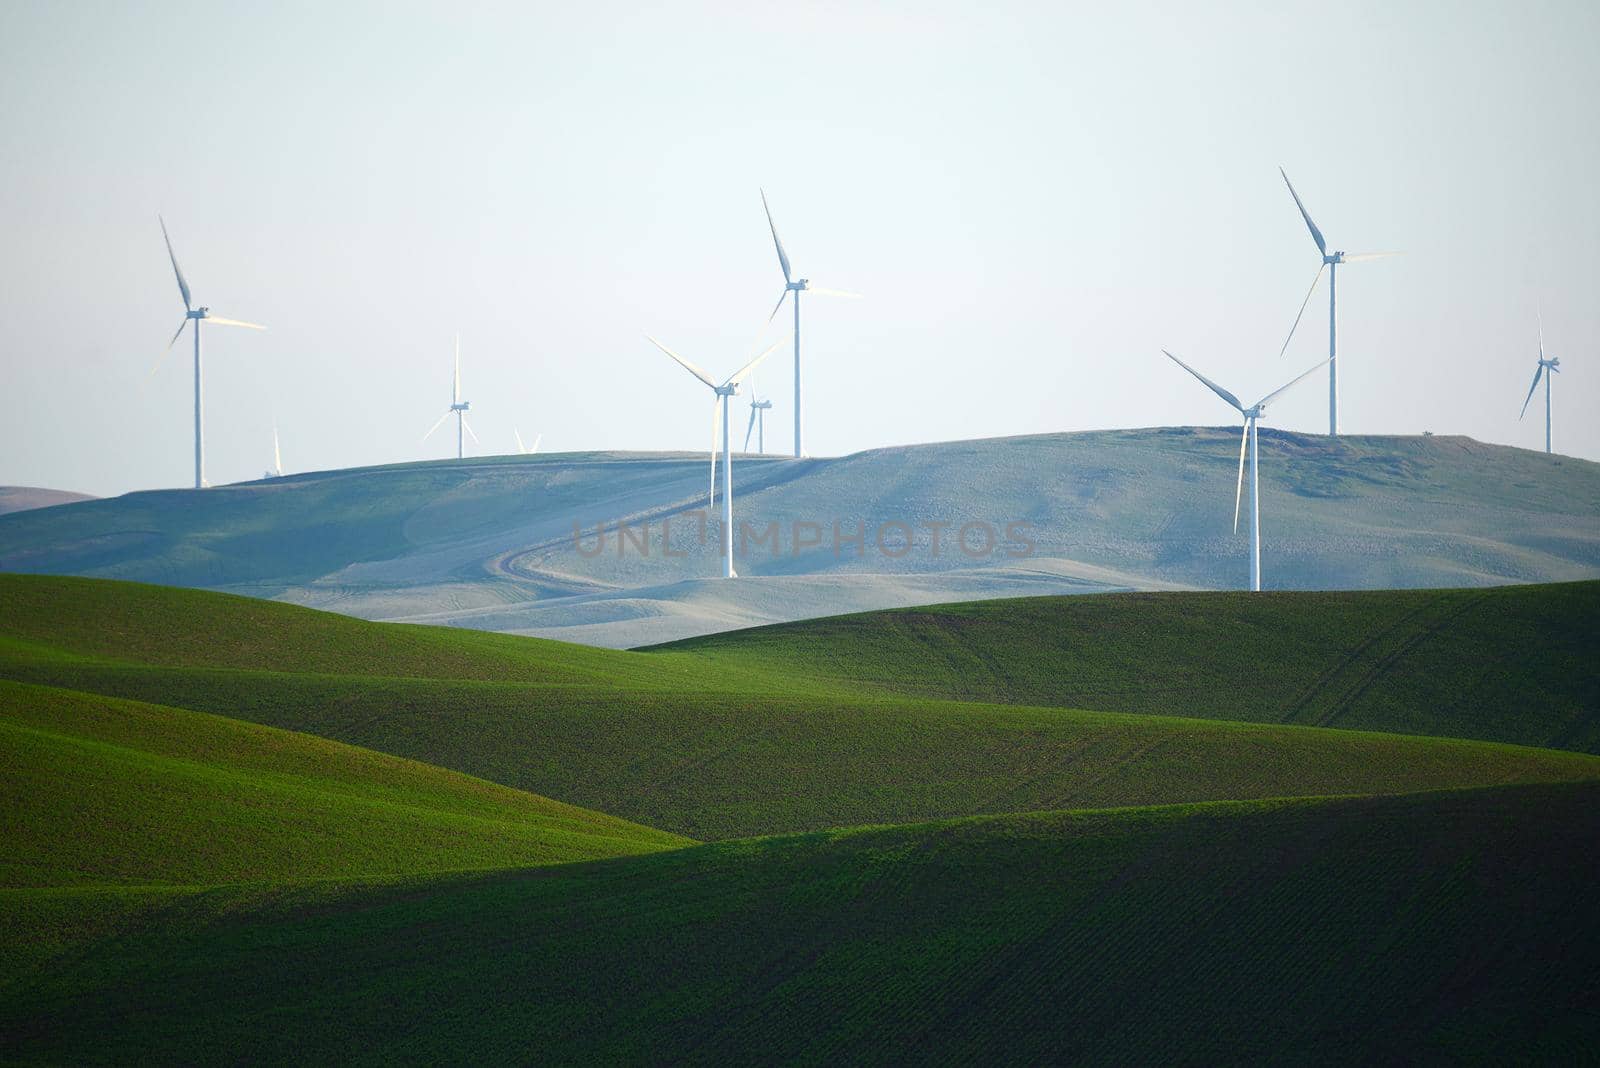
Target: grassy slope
{"points": [[1508, 664], [1445, 927], [676, 742], [97, 790]]}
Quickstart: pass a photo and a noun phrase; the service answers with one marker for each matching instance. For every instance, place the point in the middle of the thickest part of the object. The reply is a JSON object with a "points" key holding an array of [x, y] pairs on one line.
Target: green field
{"points": [[1443, 927], [685, 743], [1511, 663], [1100, 828], [99, 790]]}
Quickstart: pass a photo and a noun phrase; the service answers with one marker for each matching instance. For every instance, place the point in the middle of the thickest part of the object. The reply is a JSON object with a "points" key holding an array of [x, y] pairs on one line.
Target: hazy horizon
{"points": [[1034, 202]]}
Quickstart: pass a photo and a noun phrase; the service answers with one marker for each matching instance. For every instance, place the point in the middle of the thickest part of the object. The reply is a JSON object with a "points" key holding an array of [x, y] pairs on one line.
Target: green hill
{"points": [[1447, 928], [683, 742], [1512, 663], [97, 790]]}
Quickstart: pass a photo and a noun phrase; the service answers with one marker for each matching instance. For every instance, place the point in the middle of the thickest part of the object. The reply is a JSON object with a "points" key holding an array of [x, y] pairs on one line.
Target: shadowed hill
{"points": [[679, 741], [1511, 663], [1434, 928], [489, 543]]}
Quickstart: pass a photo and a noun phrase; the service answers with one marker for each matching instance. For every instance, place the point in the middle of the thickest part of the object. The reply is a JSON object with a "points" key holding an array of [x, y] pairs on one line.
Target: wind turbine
{"points": [[719, 420], [524, 450], [1251, 415], [277, 456], [1330, 263], [197, 315], [1554, 366], [758, 423], [458, 407], [794, 285]]}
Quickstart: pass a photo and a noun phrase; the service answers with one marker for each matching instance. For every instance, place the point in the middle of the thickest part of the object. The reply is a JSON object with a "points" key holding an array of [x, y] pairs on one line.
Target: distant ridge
{"points": [[27, 498], [510, 543]]}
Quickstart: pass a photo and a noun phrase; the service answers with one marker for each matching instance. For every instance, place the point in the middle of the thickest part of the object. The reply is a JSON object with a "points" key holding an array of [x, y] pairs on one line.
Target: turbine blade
{"points": [[277, 455], [1262, 403], [750, 429], [1361, 257], [738, 376], [685, 364], [217, 320], [1316, 235], [1218, 390], [778, 305], [833, 292], [160, 359], [536, 439], [1540, 313], [1303, 305], [437, 425], [455, 383], [1531, 388], [183, 287], [522, 450], [1238, 493], [468, 427], [783, 259]]}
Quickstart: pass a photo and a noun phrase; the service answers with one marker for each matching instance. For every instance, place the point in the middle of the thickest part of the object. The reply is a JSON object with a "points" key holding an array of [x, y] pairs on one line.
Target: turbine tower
{"points": [[190, 312], [1251, 415], [794, 285], [1330, 263], [458, 408], [525, 450], [719, 421], [1553, 365], [758, 423]]}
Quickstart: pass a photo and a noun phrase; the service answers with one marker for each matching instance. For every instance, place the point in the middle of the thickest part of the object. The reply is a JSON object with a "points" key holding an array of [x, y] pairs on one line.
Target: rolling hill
{"points": [[26, 498], [239, 828], [694, 745], [1455, 927], [490, 543], [98, 790], [1512, 663]]}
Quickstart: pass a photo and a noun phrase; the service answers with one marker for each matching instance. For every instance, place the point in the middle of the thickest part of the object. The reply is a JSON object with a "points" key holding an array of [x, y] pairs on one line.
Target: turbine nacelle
{"points": [[461, 406], [199, 313], [798, 284]]}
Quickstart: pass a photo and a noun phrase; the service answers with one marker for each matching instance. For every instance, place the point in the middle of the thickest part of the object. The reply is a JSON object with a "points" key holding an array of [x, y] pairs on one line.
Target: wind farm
{"points": [[966, 724]]}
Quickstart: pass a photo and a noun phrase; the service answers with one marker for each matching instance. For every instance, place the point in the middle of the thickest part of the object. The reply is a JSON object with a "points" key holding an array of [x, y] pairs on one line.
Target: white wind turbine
{"points": [[458, 408], [719, 421], [190, 312], [1330, 263], [758, 422], [794, 285], [1553, 365], [526, 450], [1251, 415], [277, 456]]}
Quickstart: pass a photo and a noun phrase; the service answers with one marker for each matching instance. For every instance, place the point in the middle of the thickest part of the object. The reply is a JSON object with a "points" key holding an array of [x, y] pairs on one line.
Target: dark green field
{"points": [[236, 828], [1510, 663]]}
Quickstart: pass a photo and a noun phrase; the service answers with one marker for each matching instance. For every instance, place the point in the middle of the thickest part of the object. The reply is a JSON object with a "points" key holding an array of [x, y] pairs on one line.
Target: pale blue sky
{"points": [[1034, 198]]}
